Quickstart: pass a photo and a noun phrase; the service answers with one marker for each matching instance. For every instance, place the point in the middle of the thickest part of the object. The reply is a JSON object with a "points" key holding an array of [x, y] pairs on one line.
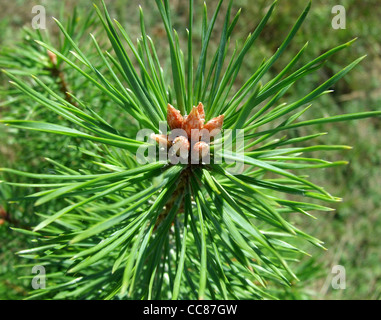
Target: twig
{"points": [[6, 217], [58, 74]]}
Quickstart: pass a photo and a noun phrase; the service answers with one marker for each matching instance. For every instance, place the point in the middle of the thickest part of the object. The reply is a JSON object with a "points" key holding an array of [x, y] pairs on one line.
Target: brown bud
{"points": [[174, 118], [181, 145], [215, 123], [161, 139], [193, 121], [200, 150], [53, 58], [201, 112]]}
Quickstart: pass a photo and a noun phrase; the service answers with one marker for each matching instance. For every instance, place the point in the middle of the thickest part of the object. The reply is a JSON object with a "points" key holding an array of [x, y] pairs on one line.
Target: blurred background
{"points": [[351, 233]]}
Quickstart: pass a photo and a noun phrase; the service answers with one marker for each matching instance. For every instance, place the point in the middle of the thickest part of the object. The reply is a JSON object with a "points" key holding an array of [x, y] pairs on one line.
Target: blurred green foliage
{"points": [[351, 233]]}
